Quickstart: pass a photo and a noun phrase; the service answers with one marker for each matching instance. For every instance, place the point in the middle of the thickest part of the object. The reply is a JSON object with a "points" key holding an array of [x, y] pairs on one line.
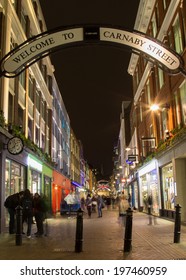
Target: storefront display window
{"points": [[35, 182], [144, 191], [168, 187], [14, 177], [15, 181], [149, 186], [153, 187]]}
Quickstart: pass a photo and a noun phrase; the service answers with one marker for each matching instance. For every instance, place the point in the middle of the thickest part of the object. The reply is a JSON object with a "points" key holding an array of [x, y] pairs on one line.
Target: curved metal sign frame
{"points": [[45, 43]]}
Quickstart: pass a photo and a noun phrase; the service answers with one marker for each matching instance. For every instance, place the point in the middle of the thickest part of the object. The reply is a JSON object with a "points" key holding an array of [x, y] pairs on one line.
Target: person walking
{"points": [[39, 211], [89, 205], [99, 205], [11, 202], [27, 204]]}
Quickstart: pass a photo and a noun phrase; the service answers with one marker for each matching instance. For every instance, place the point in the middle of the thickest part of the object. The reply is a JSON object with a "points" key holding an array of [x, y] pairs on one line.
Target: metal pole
{"points": [[19, 229], [128, 231], [79, 231], [177, 225]]}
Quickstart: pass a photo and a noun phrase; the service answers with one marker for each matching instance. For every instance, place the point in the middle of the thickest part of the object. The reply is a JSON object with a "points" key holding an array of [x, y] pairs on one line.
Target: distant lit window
{"points": [[183, 102], [154, 26], [177, 36], [160, 77]]}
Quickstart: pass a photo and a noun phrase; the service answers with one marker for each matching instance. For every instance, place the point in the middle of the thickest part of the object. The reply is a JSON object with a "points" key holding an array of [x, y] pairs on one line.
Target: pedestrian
{"points": [[130, 200], [88, 203], [39, 213], [149, 201], [11, 202], [27, 204], [94, 204], [99, 205], [82, 202]]}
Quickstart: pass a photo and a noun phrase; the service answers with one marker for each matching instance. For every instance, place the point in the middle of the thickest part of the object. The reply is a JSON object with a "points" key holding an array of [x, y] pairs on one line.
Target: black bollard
{"points": [[79, 231], [128, 231], [177, 225], [19, 214]]}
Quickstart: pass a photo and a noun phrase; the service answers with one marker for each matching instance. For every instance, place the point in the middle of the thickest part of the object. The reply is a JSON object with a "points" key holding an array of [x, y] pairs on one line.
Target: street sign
{"points": [[132, 158]]}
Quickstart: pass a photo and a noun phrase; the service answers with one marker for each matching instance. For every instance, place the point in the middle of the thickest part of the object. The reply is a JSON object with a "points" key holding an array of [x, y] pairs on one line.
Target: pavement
{"points": [[103, 239]]}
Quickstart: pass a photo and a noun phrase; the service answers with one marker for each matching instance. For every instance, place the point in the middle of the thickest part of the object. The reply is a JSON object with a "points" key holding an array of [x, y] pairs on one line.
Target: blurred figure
{"points": [[82, 202], [11, 202], [39, 211], [99, 205], [88, 203], [94, 204], [27, 204], [130, 200]]}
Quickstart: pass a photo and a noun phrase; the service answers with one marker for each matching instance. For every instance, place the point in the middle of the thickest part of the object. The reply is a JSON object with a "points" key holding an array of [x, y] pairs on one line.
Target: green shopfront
{"points": [[39, 178]]}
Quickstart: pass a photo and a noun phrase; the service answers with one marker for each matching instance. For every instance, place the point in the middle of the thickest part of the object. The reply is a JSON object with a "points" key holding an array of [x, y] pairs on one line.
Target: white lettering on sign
{"points": [[40, 46], [133, 40]]}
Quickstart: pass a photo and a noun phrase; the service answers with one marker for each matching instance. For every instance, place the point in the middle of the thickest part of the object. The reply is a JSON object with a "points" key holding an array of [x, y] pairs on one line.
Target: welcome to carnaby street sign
{"points": [[43, 44]]}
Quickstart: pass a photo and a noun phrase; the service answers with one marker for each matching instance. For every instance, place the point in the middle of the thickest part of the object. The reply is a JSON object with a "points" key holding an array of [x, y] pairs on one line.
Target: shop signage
{"points": [[132, 158], [43, 44], [35, 164]]}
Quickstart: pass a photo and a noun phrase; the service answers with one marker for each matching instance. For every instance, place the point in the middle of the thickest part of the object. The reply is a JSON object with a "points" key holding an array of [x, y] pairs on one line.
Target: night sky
{"points": [[93, 79]]}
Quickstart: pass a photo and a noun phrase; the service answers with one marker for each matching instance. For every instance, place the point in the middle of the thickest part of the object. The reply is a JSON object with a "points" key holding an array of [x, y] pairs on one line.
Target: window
{"points": [[38, 100], [148, 93], [177, 105], [160, 77], [29, 128], [154, 26], [183, 102], [31, 88], [20, 115], [22, 79], [177, 36]]}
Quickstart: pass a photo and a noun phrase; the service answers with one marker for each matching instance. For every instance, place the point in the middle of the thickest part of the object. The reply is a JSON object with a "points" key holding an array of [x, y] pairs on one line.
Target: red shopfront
{"points": [[61, 186]]}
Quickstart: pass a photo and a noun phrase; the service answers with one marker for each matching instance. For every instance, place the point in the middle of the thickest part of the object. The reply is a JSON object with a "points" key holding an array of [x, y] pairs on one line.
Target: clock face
{"points": [[15, 145]]}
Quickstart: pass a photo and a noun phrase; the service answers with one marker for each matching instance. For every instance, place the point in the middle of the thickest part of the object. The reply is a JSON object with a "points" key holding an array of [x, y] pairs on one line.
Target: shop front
{"points": [[168, 189], [47, 176], [61, 187], [13, 179], [149, 186], [35, 169]]}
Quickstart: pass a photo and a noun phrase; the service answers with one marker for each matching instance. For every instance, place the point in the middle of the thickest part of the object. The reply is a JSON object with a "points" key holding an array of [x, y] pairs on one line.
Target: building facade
{"points": [[31, 107], [159, 134]]}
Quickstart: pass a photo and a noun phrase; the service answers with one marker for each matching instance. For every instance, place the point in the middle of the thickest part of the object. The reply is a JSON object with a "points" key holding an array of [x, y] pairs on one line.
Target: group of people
{"points": [[33, 206], [90, 203]]}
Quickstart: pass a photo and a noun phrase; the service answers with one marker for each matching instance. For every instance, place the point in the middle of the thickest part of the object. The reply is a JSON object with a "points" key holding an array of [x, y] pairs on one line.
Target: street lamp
{"points": [[154, 107]]}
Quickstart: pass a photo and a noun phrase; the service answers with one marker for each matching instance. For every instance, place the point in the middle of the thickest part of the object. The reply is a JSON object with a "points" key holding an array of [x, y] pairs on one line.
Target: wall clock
{"points": [[15, 145]]}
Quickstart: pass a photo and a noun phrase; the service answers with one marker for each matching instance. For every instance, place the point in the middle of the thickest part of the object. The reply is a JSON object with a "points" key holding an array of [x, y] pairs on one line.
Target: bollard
{"points": [[19, 214], [79, 231], [177, 225], [128, 231]]}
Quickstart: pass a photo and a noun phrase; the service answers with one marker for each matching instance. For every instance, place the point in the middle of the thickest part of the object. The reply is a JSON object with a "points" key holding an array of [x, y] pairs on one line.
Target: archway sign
{"points": [[45, 43]]}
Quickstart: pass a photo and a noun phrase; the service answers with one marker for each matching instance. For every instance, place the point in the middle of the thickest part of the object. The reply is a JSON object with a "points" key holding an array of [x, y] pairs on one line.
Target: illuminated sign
{"points": [[41, 45], [35, 164]]}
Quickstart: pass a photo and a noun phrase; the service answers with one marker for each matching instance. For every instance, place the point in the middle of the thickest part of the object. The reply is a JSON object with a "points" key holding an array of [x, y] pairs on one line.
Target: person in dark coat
{"points": [[27, 204], [39, 211], [88, 203], [11, 202], [99, 205]]}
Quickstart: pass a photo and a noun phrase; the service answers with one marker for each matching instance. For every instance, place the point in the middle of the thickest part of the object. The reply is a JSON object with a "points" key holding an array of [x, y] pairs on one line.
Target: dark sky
{"points": [[93, 79]]}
